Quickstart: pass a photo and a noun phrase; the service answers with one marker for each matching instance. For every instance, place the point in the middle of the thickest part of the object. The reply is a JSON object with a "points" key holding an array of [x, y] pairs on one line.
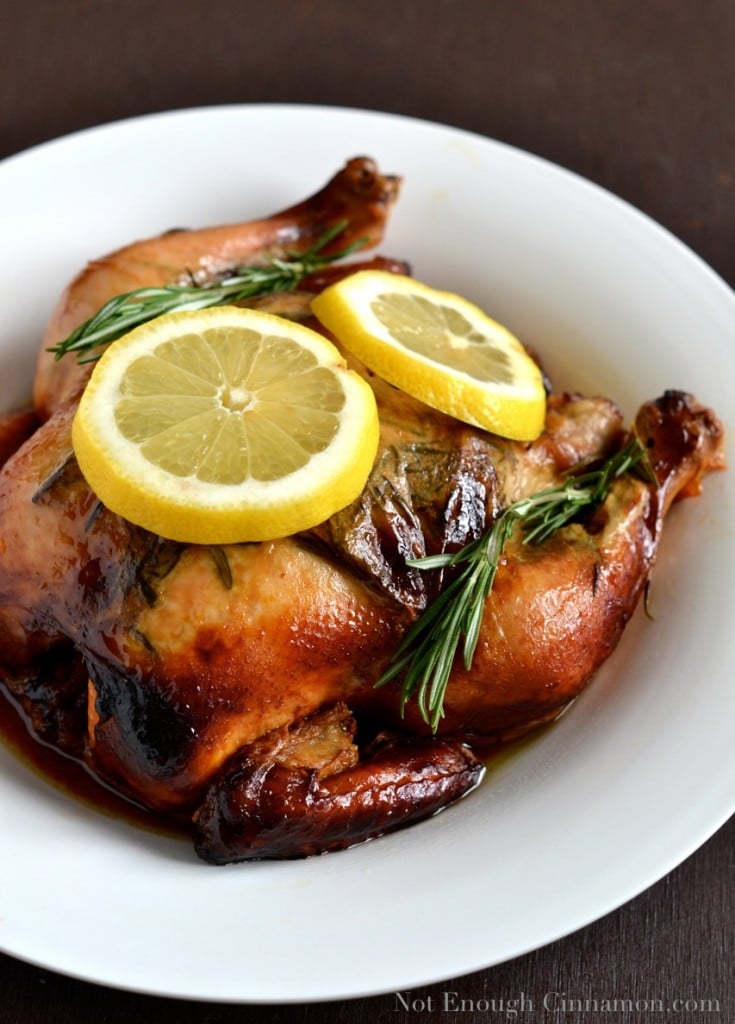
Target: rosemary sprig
{"points": [[123, 312], [426, 653]]}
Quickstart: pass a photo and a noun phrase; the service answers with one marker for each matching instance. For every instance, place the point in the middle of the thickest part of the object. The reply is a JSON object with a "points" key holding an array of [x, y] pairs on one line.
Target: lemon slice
{"points": [[225, 425], [438, 347]]}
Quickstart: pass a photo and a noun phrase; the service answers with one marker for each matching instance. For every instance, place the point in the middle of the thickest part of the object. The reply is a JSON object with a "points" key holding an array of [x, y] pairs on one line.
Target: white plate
{"points": [[631, 781]]}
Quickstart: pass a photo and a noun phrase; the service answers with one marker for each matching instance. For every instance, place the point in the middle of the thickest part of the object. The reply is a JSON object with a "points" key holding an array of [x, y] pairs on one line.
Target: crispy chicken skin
{"points": [[235, 686]]}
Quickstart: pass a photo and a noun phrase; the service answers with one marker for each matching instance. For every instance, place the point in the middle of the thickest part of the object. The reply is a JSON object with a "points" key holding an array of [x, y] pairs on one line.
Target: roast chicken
{"points": [[233, 688]]}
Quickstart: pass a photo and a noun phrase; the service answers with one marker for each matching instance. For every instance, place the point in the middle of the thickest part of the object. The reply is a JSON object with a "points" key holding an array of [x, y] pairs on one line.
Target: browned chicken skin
{"points": [[235, 684], [300, 789]]}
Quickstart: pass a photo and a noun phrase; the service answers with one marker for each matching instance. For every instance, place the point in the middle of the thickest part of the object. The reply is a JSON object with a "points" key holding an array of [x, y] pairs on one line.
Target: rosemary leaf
{"points": [[124, 312]]}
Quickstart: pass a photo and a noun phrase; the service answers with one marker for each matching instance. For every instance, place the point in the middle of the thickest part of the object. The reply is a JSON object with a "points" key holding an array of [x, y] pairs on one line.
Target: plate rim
{"points": [[715, 280]]}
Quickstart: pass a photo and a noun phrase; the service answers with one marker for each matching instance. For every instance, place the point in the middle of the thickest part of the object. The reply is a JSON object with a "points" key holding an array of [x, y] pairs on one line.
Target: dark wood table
{"points": [[637, 97]]}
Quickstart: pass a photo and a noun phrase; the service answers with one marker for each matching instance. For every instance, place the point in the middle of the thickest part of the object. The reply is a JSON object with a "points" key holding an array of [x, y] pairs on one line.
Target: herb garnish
{"points": [[428, 648], [123, 312]]}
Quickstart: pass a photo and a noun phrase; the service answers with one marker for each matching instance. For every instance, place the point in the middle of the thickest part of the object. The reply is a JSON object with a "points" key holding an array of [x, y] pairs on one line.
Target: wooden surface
{"points": [[636, 96]]}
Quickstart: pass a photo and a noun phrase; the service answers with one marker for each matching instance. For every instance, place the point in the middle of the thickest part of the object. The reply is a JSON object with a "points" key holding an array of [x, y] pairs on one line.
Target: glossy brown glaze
{"points": [[194, 655], [68, 773], [200, 680], [15, 428]]}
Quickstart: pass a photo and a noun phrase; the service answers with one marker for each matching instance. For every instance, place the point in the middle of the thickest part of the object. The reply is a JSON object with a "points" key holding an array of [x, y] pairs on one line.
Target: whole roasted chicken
{"points": [[234, 687]]}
